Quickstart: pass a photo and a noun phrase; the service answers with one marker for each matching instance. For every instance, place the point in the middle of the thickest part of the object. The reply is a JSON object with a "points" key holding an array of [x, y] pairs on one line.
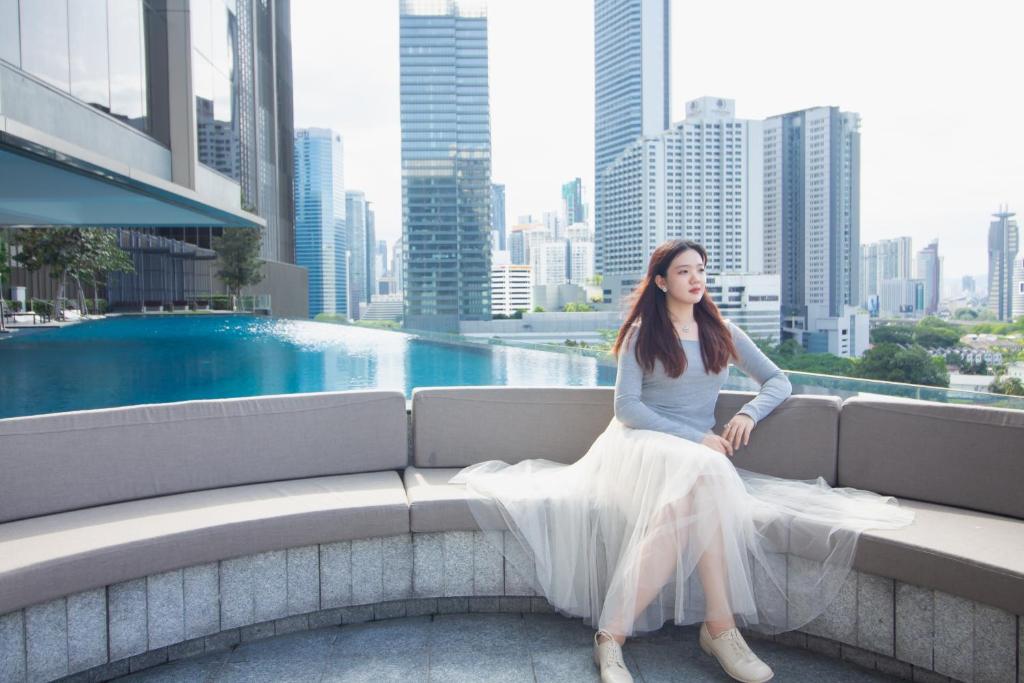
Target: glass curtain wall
{"points": [[95, 50]]}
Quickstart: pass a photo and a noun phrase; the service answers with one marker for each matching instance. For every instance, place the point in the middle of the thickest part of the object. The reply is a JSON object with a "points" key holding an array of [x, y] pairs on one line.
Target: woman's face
{"points": [[685, 277]]}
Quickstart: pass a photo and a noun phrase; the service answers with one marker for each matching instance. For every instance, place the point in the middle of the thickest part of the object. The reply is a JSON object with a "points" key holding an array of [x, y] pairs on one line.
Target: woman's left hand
{"points": [[737, 430]]}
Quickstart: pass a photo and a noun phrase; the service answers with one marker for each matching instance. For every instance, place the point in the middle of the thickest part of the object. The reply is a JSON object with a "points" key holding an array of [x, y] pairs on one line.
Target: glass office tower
{"points": [[321, 241], [631, 88], [446, 164]]}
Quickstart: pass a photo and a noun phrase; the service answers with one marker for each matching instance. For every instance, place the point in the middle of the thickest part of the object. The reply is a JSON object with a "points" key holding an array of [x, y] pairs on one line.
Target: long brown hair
{"points": [[657, 337]]}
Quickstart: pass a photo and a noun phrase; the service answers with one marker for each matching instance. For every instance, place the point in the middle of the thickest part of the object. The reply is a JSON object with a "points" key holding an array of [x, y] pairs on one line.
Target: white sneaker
{"points": [[736, 658], [608, 656]]}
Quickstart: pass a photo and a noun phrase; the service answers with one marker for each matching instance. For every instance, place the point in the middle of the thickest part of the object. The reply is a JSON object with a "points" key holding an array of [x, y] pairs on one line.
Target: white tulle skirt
{"points": [[649, 527]]}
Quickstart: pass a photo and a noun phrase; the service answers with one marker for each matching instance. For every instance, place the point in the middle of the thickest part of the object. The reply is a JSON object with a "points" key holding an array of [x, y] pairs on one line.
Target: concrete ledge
{"points": [[875, 622]]}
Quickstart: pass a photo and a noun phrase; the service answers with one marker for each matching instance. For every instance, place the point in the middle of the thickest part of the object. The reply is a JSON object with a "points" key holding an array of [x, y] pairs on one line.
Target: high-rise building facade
{"points": [[887, 259], [446, 164], [929, 271], [320, 221], [358, 251], [700, 180], [511, 289], [498, 212], [397, 270], [549, 262], [812, 226], [1003, 245], [631, 87], [195, 97], [572, 202]]}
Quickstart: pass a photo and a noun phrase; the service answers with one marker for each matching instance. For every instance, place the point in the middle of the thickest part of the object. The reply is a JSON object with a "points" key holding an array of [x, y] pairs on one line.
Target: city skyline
{"points": [[923, 131]]}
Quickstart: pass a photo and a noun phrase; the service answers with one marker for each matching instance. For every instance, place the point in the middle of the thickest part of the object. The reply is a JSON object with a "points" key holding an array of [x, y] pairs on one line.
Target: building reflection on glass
{"points": [[214, 78]]}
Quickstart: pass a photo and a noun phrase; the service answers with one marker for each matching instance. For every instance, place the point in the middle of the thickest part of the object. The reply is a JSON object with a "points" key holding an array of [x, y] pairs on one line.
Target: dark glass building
{"points": [[446, 165]]}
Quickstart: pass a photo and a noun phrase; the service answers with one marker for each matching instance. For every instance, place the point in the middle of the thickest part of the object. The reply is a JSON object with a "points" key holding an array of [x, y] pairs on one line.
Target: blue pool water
{"points": [[132, 360]]}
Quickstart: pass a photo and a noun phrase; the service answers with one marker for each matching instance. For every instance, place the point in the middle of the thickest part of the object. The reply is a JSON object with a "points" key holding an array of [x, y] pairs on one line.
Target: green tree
{"points": [[56, 248], [538, 309], [101, 255], [892, 334], [790, 348], [240, 264], [935, 333], [1011, 386], [891, 363], [965, 314]]}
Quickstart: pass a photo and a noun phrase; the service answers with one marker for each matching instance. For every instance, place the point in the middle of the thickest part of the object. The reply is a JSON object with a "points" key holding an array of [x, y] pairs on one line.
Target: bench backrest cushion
{"points": [[797, 440], [460, 426], [68, 461], [965, 456]]}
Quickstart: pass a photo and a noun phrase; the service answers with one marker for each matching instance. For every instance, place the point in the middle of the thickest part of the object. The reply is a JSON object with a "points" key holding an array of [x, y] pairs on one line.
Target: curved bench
{"points": [[131, 536]]}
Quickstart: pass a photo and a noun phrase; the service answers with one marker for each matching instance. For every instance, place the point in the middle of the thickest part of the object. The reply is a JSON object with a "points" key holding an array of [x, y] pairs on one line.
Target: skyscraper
{"points": [[446, 164], [700, 180], [320, 229], [358, 251], [883, 260], [929, 270], [498, 212], [572, 202], [812, 226], [631, 86], [1003, 245]]}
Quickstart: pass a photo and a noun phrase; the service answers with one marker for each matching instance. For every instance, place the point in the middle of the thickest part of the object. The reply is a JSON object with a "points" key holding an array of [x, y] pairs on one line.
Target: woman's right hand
{"points": [[718, 443]]}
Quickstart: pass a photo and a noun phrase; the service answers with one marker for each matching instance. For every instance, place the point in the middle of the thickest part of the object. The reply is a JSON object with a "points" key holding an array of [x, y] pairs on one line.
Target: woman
{"points": [[654, 522]]}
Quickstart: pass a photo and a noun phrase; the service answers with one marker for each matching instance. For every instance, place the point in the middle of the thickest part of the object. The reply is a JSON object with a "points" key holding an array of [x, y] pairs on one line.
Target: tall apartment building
{"points": [[511, 289], [446, 164], [812, 227], [1003, 245], [631, 87], [929, 270], [888, 259], [701, 179]]}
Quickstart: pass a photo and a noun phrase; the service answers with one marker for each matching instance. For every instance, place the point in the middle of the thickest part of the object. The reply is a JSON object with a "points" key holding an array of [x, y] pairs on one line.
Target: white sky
{"points": [[938, 87]]}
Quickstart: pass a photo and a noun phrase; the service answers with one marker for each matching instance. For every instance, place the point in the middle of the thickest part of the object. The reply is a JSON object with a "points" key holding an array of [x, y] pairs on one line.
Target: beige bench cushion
{"points": [[460, 426], [68, 461], [966, 456], [797, 440], [434, 504], [47, 557], [971, 554]]}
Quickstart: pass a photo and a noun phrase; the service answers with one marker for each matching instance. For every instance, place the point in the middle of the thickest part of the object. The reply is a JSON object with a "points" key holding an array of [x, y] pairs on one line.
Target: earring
{"points": [[664, 289]]}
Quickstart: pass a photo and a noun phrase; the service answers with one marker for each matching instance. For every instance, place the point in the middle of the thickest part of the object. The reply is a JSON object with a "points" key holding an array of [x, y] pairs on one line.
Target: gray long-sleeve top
{"points": [[685, 405]]}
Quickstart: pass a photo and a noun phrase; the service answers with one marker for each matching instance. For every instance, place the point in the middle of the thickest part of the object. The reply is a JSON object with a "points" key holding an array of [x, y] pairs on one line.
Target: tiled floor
{"points": [[482, 647]]}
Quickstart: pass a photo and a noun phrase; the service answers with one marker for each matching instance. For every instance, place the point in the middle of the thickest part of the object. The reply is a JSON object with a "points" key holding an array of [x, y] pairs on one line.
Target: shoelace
{"points": [[738, 646], [614, 655]]}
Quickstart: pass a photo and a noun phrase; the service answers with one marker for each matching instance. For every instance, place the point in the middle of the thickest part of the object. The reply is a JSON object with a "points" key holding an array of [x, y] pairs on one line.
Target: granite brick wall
{"points": [[875, 622]]}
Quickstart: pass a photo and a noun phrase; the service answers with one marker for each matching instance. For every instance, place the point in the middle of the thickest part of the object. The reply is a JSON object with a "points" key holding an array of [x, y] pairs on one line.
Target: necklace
{"points": [[686, 327]]}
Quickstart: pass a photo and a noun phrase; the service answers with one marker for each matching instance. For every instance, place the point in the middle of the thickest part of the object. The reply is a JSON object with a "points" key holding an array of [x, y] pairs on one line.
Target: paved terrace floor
{"points": [[483, 647]]}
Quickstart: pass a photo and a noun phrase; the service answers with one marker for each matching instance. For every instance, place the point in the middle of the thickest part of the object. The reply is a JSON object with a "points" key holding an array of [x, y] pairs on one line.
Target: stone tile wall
{"points": [[900, 629]]}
